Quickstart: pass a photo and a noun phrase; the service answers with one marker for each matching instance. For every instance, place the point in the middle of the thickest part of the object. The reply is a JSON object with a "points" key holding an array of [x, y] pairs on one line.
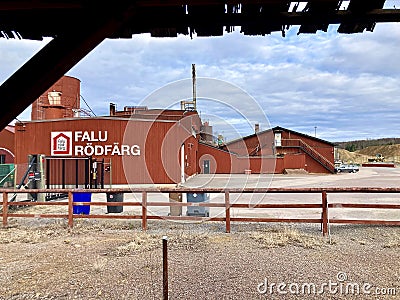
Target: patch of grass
{"points": [[394, 242], [140, 241], [286, 236], [220, 238], [189, 241], [99, 265], [30, 235]]}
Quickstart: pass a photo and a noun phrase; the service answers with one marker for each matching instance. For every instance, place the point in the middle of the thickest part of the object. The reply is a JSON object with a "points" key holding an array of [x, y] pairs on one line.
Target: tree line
{"points": [[361, 144]]}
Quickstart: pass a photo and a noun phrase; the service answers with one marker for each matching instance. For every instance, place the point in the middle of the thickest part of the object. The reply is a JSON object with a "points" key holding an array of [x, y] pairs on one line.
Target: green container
{"points": [[7, 175]]}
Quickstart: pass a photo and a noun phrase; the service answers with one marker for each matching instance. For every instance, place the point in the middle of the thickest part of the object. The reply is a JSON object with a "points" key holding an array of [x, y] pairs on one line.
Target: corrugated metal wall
{"points": [[256, 144], [322, 148], [223, 162], [67, 173], [260, 149], [293, 161]]}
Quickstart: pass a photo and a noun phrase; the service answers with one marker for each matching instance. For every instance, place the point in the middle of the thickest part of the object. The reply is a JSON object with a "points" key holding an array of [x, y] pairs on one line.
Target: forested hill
{"points": [[361, 144]]}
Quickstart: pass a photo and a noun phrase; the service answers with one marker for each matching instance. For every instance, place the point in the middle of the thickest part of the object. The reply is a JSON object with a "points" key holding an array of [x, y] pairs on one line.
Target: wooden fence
{"points": [[227, 205]]}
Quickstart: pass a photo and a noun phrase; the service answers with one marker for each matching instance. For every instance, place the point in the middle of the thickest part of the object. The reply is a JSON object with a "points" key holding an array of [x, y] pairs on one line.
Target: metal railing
{"points": [[324, 206]]}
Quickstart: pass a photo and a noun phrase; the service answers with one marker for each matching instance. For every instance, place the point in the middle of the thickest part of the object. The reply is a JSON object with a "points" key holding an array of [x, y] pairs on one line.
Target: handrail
{"points": [[317, 153], [306, 147], [301, 142]]}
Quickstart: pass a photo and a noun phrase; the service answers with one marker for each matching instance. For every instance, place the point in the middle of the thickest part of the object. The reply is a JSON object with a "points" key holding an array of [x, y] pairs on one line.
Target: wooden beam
{"points": [[144, 211], [5, 209], [227, 213], [70, 210], [277, 18], [157, 3], [53, 61], [324, 214]]}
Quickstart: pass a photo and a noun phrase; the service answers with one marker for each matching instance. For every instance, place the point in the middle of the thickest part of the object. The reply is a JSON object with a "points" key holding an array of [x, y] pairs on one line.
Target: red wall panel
{"points": [[159, 143], [256, 144], [310, 164], [223, 162]]}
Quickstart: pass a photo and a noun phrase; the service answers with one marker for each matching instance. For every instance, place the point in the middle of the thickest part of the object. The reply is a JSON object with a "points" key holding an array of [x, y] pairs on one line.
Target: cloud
{"points": [[14, 53], [346, 85]]}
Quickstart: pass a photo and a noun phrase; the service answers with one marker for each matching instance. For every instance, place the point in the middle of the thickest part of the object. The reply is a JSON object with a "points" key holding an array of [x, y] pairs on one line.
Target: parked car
{"points": [[347, 168]]}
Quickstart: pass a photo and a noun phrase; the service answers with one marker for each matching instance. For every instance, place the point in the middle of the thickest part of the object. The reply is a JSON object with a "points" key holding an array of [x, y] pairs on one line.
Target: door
{"points": [[278, 139], [206, 167]]}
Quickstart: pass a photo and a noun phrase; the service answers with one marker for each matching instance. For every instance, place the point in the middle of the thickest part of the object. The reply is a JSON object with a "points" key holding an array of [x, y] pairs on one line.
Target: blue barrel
{"points": [[81, 197]]}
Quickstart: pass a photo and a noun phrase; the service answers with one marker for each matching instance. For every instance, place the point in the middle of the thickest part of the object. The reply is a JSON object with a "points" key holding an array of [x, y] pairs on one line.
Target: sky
{"points": [[344, 87]]}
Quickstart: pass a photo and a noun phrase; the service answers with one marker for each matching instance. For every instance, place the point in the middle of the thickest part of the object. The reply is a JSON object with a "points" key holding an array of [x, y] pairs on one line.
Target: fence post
{"points": [[227, 213], [324, 213], [165, 268], [70, 210], [144, 211], [5, 209]]}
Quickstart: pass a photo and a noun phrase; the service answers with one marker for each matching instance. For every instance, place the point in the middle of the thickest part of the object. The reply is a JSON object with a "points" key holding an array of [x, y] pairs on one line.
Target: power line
{"points": [[88, 106]]}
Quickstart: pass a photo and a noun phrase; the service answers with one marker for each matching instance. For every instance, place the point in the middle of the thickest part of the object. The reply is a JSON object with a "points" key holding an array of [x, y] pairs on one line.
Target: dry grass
{"points": [[99, 265], [141, 241], [93, 261], [32, 236], [189, 240], [394, 242], [280, 237], [220, 239]]}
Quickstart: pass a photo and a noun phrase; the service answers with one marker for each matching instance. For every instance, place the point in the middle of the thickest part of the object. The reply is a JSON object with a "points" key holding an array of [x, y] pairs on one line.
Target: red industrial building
{"points": [[274, 150], [138, 145], [138, 150], [147, 148]]}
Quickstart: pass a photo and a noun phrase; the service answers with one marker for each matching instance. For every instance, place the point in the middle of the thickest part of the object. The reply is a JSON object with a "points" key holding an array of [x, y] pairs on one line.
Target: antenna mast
{"points": [[191, 105], [194, 85]]}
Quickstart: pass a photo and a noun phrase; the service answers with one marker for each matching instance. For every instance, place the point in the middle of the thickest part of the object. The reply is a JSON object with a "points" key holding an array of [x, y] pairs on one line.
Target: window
{"points": [[2, 158]]}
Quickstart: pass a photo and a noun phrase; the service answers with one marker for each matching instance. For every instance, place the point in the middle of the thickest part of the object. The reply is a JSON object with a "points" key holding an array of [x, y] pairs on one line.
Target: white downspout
{"points": [[183, 163]]}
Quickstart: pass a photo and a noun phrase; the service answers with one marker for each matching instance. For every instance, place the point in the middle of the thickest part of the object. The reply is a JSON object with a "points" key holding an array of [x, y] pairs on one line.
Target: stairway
{"points": [[311, 152]]}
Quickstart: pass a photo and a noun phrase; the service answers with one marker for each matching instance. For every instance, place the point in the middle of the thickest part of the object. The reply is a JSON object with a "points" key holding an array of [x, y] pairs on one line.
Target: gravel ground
{"points": [[115, 260], [110, 259]]}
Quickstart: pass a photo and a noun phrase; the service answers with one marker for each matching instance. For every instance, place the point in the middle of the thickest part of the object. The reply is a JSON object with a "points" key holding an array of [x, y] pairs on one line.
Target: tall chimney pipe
{"points": [[194, 86], [112, 109]]}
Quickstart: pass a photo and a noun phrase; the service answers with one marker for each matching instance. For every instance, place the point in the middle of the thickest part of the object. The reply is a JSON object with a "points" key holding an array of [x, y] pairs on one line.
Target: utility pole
{"points": [[315, 131]]}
